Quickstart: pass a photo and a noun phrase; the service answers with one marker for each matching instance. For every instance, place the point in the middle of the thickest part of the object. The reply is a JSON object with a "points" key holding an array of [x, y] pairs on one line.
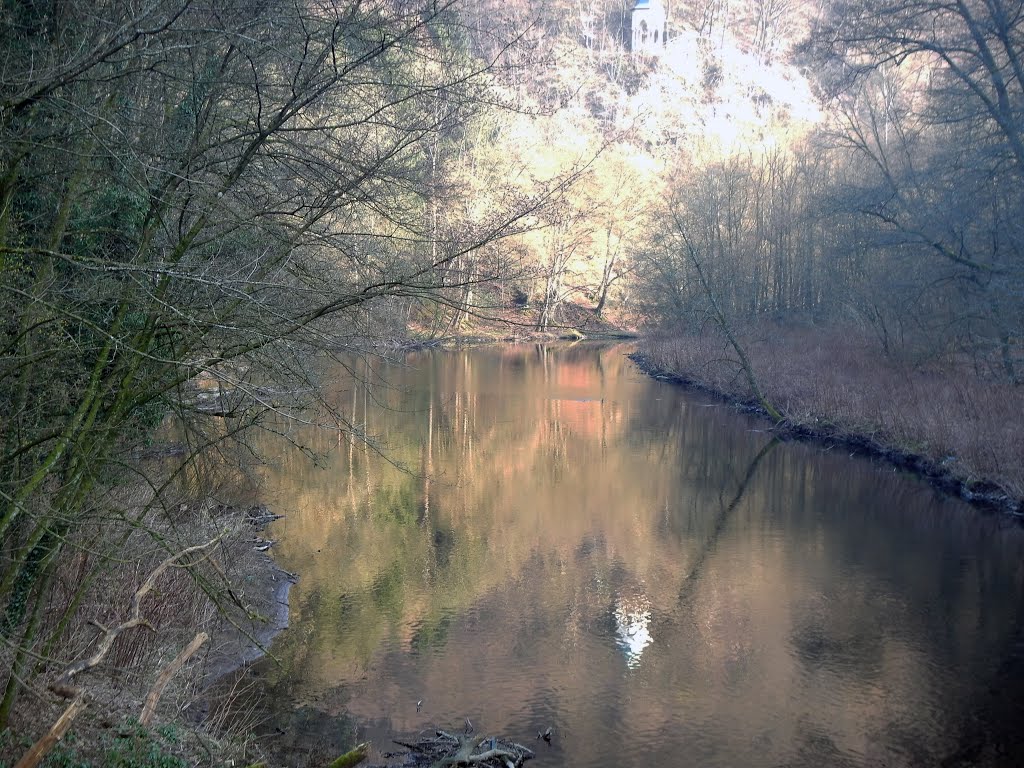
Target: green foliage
{"points": [[141, 748], [133, 747], [108, 224], [169, 732], [65, 756]]}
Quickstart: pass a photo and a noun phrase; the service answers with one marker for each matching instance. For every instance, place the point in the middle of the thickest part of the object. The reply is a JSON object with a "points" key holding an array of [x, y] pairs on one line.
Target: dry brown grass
{"points": [[838, 381], [122, 551]]}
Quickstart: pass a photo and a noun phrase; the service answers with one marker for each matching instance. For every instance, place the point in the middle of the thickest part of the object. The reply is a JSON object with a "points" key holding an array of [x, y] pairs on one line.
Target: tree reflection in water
{"points": [[774, 604]]}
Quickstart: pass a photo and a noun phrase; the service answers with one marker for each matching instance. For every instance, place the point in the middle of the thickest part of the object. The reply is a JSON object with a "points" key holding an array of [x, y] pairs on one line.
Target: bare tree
{"points": [[931, 97], [211, 190]]}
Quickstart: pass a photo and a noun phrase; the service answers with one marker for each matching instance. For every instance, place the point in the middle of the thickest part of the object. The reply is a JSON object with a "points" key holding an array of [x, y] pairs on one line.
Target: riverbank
{"points": [[534, 337], [960, 431], [502, 320], [264, 587], [236, 598]]}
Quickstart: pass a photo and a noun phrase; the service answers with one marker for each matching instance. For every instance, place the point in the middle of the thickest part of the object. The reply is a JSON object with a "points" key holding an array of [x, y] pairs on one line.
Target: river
{"points": [[541, 536]]}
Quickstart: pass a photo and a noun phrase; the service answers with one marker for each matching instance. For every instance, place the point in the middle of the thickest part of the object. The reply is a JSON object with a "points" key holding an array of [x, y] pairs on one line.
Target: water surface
{"points": [[546, 537]]}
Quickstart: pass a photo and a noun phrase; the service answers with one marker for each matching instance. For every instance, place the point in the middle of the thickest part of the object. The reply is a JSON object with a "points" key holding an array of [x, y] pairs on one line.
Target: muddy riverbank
{"points": [[262, 587]]}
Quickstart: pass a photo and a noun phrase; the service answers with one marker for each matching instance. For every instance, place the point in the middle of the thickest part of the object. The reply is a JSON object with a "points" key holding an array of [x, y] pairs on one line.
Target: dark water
{"points": [[553, 539]]}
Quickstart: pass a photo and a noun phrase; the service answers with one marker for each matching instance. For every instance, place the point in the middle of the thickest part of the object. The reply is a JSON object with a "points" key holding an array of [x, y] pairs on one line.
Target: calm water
{"points": [[553, 539]]}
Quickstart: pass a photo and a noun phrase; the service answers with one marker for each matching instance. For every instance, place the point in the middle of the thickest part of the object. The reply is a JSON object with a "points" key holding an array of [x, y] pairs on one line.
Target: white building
{"points": [[649, 26]]}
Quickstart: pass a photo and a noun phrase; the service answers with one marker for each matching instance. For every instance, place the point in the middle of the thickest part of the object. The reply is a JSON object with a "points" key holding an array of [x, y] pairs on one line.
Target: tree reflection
{"points": [[720, 521], [579, 547]]}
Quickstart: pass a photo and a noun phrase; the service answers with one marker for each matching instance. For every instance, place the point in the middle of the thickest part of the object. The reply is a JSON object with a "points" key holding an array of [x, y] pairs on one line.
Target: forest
{"points": [[813, 208]]}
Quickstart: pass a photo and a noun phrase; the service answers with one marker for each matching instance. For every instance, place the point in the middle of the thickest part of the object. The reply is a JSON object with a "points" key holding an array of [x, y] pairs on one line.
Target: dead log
{"points": [[42, 747], [149, 709], [64, 686]]}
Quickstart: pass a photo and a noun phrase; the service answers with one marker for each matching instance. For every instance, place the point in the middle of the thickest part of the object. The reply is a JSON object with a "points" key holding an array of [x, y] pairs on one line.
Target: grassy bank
{"points": [[938, 417]]}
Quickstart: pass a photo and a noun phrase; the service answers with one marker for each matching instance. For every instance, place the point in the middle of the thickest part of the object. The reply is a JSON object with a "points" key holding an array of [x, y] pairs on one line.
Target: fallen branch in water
{"points": [[444, 749]]}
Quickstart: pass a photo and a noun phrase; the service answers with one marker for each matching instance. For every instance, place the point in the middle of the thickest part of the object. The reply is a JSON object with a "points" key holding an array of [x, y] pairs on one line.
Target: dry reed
{"points": [[966, 425]]}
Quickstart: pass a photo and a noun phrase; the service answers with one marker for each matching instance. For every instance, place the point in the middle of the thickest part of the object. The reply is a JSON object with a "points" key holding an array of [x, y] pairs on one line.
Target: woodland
{"points": [[816, 208]]}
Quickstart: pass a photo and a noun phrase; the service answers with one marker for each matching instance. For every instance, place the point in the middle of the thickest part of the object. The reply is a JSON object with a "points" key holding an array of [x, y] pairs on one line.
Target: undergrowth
{"points": [[131, 746], [836, 381]]}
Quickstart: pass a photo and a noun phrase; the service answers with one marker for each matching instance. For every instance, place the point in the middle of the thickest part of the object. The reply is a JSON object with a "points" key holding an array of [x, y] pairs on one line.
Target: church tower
{"points": [[649, 27]]}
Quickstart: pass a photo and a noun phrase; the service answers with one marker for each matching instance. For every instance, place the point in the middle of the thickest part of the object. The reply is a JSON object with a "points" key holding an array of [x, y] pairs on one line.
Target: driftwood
{"points": [[444, 749]]}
